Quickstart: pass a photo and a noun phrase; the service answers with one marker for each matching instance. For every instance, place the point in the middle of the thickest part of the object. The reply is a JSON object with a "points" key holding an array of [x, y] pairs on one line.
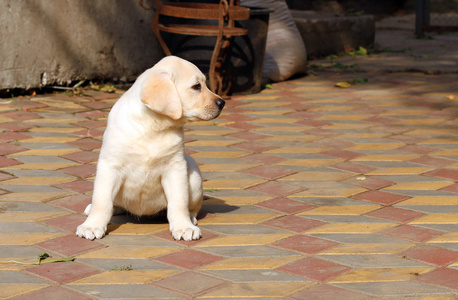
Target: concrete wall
{"points": [[44, 42]]}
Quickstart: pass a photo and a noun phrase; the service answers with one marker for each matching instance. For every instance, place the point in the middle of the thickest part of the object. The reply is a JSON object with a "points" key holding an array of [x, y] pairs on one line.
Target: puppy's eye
{"points": [[197, 87]]}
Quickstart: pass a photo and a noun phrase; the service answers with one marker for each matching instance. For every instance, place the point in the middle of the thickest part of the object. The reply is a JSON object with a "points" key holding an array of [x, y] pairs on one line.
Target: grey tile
{"points": [[255, 276], [248, 251], [393, 288], [373, 261], [125, 291]]}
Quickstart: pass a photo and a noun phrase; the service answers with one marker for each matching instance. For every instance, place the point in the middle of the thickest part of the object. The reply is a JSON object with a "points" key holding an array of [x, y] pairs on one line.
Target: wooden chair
{"points": [[226, 13]]}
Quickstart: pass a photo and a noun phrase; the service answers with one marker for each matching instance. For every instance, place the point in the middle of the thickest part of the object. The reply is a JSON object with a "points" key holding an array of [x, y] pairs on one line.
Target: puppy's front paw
{"points": [[187, 233], [91, 232]]}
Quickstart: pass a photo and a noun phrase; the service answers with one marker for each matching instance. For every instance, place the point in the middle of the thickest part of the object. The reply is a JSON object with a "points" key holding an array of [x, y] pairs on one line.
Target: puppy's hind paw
{"points": [[90, 232], [187, 234]]}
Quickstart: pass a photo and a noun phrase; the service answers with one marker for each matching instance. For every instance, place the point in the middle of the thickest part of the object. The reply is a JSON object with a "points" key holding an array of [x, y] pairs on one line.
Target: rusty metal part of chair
{"points": [[226, 13]]}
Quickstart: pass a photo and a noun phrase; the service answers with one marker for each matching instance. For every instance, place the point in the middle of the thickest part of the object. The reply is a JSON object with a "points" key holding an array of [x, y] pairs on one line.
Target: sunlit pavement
{"points": [[312, 192]]}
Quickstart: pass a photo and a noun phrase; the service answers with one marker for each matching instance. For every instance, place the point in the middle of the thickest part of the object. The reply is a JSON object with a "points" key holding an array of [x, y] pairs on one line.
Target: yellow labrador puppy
{"points": [[142, 167]]}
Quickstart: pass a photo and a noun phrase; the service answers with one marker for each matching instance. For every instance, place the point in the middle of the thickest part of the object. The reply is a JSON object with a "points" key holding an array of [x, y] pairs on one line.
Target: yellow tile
{"points": [[264, 104], [274, 120], [386, 146], [40, 166], [53, 120], [227, 219], [260, 98], [355, 135], [212, 143], [381, 274], [298, 150], [430, 131], [135, 229], [342, 117], [47, 181], [439, 141], [329, 192], [340, 210], [128, 252], [280, 128], [56, 129], [437, 219], [352, 228], [45, 152], [451, 237], [430, 200], [447, 152], [235, 200], [5, 119], [230, 184], [210, 132], [26, 238], [243, 239], [289, 138], [317, 176], [366, 248], [308, 162], [417, 122], [254, 263], [218, 154], [32, 197], [429, 186], [225, 167], [29, 216], [47, 139], [256, 289], [386, 157], [400, 171], [278, 111], [8, 291], [126, 277], [346, 126], [59, 103]]}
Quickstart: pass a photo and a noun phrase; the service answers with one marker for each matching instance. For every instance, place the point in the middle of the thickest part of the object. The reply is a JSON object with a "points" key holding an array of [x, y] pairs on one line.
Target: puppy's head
{"points": [[176, 88]]}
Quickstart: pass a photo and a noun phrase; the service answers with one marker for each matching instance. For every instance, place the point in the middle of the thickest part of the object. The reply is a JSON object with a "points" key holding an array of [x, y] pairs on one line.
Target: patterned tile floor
{"points": [[312, 192]]}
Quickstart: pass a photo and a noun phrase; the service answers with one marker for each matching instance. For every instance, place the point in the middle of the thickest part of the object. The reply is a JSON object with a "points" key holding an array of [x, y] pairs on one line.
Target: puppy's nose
{"points": [[220, 103]]}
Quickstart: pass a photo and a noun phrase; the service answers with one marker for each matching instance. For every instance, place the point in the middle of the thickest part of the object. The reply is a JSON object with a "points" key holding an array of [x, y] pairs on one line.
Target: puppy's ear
{"points": [[160, 95]]}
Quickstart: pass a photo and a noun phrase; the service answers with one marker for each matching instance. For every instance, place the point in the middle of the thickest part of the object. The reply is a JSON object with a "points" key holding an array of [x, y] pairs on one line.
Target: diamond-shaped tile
{"points": [[294, 223], [189, 259], [412, 233], [269, 172], [82, 156], [315, 269], [79, 186], [76, 203], [305, 244], [191, 283], [53, 293], [87, 144], [82, 171], [444, 173], [285, 205], [328, 292], [442, 277], [67, 223], [431, 255], [277, 189], [70, 245], [395, 214], [63, 272], [379, 197]]}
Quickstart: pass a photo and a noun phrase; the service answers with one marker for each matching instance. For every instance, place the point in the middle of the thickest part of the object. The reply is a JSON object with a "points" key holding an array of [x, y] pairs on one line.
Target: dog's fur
{"points": [[142, 167]]}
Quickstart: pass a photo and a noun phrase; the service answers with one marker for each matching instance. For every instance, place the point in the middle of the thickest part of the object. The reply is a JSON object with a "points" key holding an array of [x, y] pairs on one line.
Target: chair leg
{"points": [[157, 31]]}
